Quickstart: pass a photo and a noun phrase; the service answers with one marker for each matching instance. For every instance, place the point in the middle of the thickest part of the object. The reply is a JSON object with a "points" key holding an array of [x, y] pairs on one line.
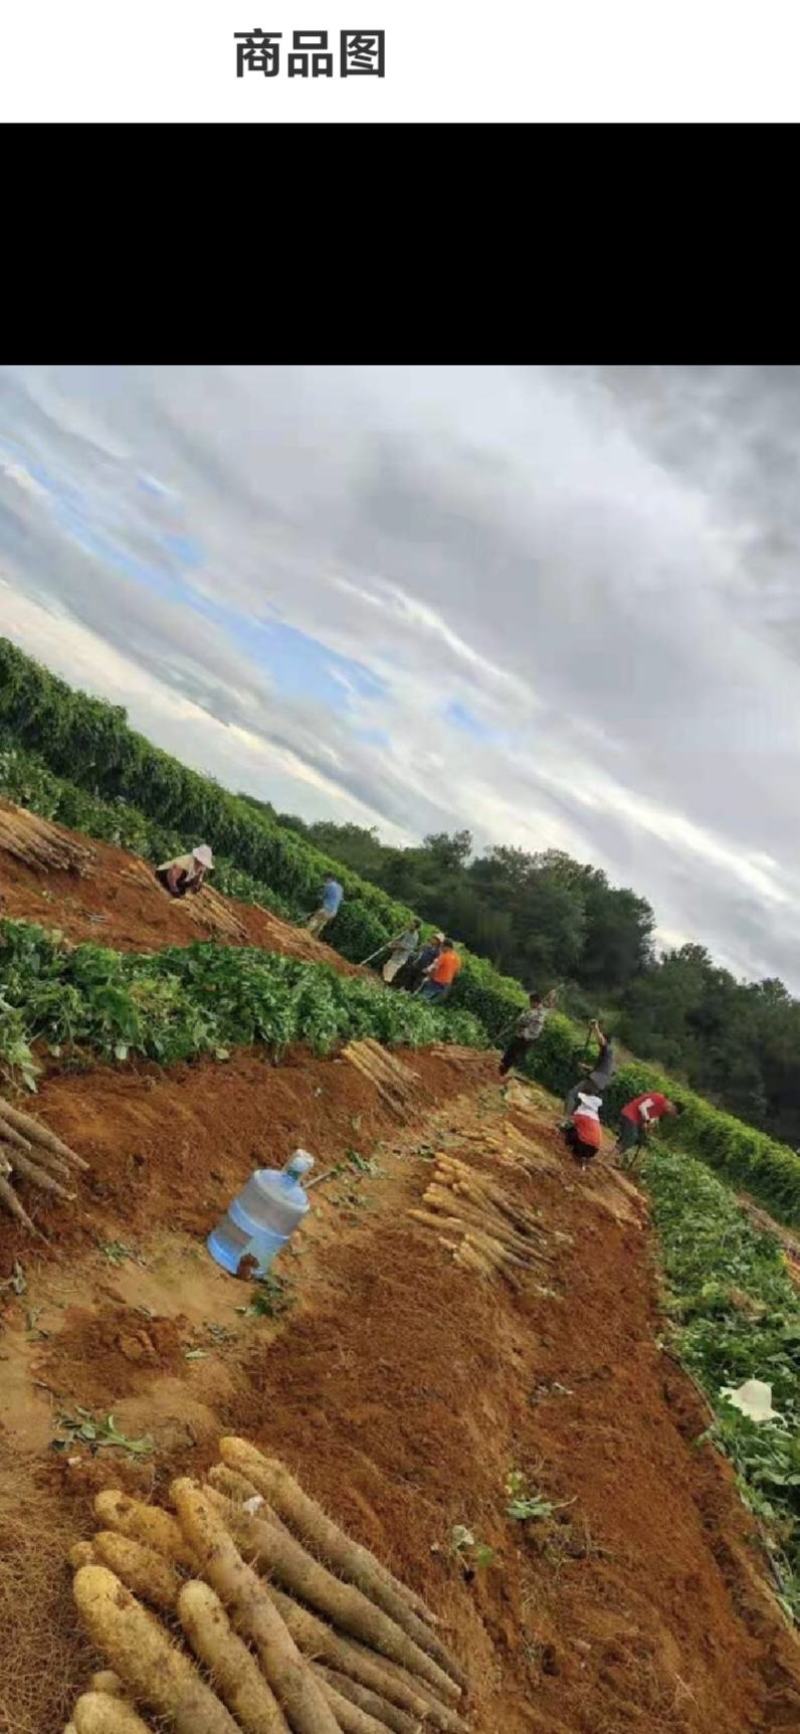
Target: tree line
{"points": [[550, 921]]}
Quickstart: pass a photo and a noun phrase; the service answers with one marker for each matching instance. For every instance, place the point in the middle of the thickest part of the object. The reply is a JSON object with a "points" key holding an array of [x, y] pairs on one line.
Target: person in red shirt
{"points": [[636, 1119], [442, 973]]}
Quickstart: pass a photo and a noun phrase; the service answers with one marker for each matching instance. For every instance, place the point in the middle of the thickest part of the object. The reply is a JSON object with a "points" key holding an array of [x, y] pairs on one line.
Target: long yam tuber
{"points": [[39, 1134], [279, 1554], [107, 1681], [9, 1198], [40, 1177], [243, 1593], [145, 1523], [351, 1719], [82, 1553], [318, 1640], [386, 1714], [233, 1668], [319, 1531], [153, 1670], [98, 1713], [145, 1571]]}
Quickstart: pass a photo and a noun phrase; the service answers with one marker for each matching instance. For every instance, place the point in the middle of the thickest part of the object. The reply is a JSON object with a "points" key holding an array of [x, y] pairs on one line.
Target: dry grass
{"points": [[44, 1662]]}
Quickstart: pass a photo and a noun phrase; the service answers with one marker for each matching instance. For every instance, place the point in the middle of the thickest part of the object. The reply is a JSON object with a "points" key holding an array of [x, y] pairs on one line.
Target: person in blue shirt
{"points": [[329, 905]]}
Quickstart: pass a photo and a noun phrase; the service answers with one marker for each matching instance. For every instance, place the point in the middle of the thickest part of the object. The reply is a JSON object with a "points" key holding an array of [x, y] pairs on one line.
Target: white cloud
{"points": [[596, 564]]}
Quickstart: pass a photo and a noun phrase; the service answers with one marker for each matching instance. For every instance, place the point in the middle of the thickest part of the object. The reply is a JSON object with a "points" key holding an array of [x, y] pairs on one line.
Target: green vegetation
{"points": [[84, 1428], [181, 1002], [736, 1316], [95, 774]]}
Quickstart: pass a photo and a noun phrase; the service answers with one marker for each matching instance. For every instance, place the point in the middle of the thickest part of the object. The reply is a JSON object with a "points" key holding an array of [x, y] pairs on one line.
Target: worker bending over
{"points": [[185, 875], [441, 974], [636, 1120], [584, 1133]]}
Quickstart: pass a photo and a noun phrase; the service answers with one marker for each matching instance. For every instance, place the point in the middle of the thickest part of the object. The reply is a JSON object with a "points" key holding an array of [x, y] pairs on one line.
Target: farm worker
{"points": [[527, 1030], [424, 958], [584, 1134], [403, 949], [331, 899], [601, 1072], [440, 975], [636, 1119], [186, 873]]}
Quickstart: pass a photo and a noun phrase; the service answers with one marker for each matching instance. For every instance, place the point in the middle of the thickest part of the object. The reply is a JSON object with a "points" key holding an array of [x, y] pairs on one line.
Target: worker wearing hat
{"points": [[186, 873]]}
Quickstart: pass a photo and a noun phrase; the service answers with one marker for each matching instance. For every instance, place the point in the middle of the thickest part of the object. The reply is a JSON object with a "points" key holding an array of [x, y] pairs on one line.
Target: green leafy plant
{"points": [[736, 1316], [98, 1435], [464, 1546], [524, 1505], [273, 1298]]}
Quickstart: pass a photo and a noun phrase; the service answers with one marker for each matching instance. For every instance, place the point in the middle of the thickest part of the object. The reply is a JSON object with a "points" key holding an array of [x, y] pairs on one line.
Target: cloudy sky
{"points": [[559, 606]]}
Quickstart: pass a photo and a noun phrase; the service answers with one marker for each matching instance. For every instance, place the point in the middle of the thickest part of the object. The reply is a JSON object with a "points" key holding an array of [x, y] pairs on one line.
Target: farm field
{"points": [[420, 1401]]}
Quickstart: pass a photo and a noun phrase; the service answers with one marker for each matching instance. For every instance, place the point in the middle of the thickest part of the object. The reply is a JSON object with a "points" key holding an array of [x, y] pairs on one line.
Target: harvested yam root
{"points": [[40, 843], [106, 1681], [251, 1609], [82, 1554], [255, 1660], [152, 1669], [329, 1542], [233, 1668], [277, 1553], [28, 1170], [36, 1155], [9, 1198], [99, 1713], [350, 1718], [386, 1714], [36, 1133], [145, 1571], [145, 1523], [317, 1639]]}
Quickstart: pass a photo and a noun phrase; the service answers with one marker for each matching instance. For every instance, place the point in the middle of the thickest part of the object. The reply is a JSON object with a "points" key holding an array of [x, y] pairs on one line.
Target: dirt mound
{"points": [[403, 1391], [108, 1354], [116, 901]]}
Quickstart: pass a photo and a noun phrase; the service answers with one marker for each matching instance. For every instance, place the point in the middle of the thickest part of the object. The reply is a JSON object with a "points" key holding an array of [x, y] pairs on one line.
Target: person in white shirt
{"points": [[185, 874]]}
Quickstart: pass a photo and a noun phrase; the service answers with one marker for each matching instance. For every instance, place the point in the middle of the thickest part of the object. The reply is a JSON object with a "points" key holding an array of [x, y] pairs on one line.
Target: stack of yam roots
{"points": [[209, 909], [395, 1083], [486, 1229], [40, 844], [28, 1151], [247, 1610]]}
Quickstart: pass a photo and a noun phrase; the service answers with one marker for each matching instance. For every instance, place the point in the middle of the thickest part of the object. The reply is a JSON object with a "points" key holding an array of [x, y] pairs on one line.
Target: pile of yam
{"points": [[247, 1610], [40, 844], [28, 1151], [208, 909], [395, 1083], [488, 1231]]}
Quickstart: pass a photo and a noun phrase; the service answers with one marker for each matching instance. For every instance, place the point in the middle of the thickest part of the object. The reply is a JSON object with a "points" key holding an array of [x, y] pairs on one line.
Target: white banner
{"points": [[400, 60]]}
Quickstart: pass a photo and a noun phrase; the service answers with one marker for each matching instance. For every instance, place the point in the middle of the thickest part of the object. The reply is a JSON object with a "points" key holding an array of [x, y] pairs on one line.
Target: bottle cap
{"points": [[299, 1163]]}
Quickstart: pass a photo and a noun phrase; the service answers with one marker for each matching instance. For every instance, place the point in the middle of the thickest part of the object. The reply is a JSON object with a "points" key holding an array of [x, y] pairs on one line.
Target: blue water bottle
{"points": [[261, 1218]]}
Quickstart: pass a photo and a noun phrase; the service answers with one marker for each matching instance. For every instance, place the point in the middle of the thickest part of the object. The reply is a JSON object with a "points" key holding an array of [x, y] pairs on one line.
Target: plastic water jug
{"points": [[261, 1218]]}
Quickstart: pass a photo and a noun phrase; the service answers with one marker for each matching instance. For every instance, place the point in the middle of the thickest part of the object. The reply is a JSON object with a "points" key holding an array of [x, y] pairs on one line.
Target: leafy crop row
{"points": [[204, 998], [123, 789], [737, 1316]]}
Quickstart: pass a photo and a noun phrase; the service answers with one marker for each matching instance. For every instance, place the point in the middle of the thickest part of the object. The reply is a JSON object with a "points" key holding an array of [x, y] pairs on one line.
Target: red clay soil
{"points": [[117, 904], [402, 1390]]}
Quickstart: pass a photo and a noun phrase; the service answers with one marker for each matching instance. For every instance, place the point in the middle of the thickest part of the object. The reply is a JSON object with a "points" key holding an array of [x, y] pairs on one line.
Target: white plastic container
{"points": [[261, 1218]]}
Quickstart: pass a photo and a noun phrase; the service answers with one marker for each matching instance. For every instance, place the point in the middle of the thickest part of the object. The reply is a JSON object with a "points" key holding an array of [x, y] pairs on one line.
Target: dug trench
{"points": [[402, 1389]]}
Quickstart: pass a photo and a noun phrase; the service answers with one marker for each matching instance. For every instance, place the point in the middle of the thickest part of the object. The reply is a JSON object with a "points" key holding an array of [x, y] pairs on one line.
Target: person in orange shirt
{"points": [[442, 973]]}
